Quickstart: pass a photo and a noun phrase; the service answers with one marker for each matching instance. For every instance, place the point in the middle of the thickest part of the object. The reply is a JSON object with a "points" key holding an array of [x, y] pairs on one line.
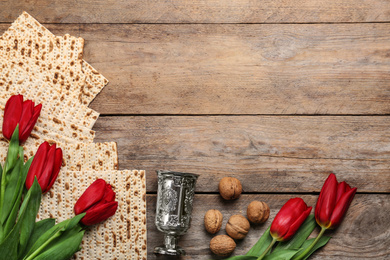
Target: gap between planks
{"points": [[197, 23], [201, 115], [277, 193]]}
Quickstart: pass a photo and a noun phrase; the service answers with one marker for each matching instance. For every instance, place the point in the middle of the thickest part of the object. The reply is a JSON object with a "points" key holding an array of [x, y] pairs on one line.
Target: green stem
{"points": [[2, 194], [268, 248], [5, 171], [1, 233], [3, 183], [304, 253], [36, 252]]}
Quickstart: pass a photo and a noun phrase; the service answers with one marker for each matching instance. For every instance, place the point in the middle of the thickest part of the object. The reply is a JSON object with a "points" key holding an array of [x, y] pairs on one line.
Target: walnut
{"points": [[257, 212], [230, 188], [222, 245], [237, 227], [213, 221]]}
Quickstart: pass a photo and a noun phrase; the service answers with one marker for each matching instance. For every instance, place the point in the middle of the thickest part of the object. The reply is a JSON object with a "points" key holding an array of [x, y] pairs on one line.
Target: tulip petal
{"points": [[37, 164], [290, 211], [100, 213], [287, 216], [342, 207], [279, 226], [27, 112], [109, 194], [326, 201], [298, 222], [92, 195], [342, 188], [47, 171], [12, 112], [30, 125], [56, 168]]}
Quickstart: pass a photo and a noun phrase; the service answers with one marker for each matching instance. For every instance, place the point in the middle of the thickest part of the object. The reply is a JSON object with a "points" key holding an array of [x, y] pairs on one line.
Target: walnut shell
{"points": [[213, 221], [222, 245], [257, 212], [230, 188], [237, 226]]}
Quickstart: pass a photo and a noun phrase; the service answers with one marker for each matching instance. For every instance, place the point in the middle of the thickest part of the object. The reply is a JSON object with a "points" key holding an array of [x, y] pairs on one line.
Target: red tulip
{"points": [[98, 202], [45, 166], [333, 202], [22, 113], [289, 219]]}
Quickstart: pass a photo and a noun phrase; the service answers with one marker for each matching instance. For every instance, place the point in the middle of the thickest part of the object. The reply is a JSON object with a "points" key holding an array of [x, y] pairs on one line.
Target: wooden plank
{"points": [[181, 11], [267, 153], [363, 234], [239, 69], [57, 29]]}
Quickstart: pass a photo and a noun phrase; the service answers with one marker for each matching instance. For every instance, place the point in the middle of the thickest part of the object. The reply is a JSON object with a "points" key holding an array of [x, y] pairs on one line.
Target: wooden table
{"points": [[276, 93]]}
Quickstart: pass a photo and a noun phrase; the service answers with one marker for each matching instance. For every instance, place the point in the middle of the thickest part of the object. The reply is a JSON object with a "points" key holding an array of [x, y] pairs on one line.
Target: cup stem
{"points": [[170, 241]]}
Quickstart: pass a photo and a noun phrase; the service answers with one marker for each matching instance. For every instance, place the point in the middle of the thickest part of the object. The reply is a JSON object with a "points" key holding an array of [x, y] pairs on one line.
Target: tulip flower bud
{"points": [[23, 113], [333, 202], [98, 202], [45, 166], [289, 219]]}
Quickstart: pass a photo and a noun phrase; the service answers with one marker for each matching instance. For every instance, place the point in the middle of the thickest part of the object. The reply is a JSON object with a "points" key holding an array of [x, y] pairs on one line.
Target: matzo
{"points": [[93, 156], [95, 82], [77, 156], [57, 58], [52, 128], [123, 236], [28, 39], [17, 77]]}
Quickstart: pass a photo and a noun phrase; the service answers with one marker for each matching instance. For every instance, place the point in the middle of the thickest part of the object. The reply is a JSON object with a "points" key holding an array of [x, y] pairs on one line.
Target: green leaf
{"points": [[9, 164], [12, 216], [11, 190], [28, 219], [64, 249], [242, 257], [300, 236], [321, 242], [282, 254], [74, 221], [261, 245], [21, 153], [9, 246], [46, 236], [13, 150], [26, 167], [1, 171], [40, 228], [53, 233]]}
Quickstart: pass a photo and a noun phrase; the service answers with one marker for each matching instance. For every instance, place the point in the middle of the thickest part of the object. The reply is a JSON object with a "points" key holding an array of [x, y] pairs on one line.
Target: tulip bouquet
{"points": [[22, 185], [293, 224]]}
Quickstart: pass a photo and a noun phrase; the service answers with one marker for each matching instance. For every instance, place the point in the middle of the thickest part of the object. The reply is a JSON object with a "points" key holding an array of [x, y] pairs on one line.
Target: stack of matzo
{"points": [[50, 70]]}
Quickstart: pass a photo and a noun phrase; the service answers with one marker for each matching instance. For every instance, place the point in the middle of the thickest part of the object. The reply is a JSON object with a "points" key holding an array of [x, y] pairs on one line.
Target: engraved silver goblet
{"points": [[175, 195]]}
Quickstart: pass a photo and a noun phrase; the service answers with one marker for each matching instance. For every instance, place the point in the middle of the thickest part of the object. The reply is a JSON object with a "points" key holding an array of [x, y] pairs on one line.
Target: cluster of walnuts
{"points": [[237, 226]]}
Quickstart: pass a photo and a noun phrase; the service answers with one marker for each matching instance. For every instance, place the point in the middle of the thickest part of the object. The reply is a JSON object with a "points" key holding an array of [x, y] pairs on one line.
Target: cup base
{"points": [[162, 250]]}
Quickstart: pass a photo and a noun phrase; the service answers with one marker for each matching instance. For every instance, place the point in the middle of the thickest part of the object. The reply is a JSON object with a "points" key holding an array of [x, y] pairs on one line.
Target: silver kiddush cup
{"points": [[175, 195]]}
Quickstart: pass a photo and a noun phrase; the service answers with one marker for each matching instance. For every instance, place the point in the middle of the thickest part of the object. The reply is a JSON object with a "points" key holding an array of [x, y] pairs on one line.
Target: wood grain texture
{"points": [[363, 234], [241, 69], [185, 58], [184, 11], [267, 153]]}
